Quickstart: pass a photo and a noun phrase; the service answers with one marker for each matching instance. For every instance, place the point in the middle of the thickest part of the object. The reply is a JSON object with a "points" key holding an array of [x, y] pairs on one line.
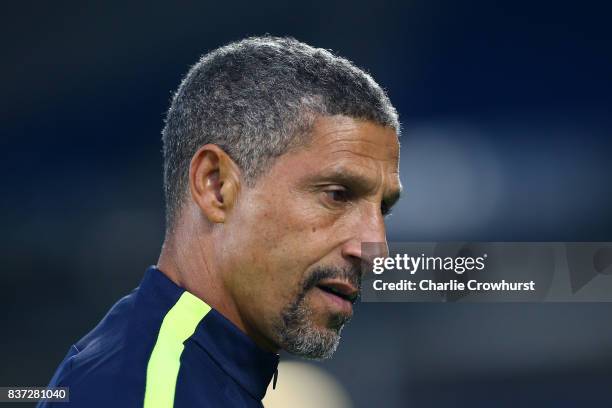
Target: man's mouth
{"points": [[343, 290]]}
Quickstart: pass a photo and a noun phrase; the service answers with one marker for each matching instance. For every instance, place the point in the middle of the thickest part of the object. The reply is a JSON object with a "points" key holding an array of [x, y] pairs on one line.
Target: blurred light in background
{"points": [[451, 178], [305, 385], [488, 180]]}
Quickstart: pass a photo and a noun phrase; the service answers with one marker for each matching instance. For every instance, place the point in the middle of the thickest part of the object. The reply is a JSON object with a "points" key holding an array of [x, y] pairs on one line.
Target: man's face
{"points": [[292, 244]]}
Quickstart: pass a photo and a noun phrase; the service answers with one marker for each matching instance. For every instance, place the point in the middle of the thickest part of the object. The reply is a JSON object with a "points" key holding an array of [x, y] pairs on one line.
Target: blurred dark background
{"points": [[507, 131]]}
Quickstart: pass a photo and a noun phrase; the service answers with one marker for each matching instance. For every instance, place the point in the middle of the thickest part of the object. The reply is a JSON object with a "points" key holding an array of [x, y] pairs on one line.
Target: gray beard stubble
{"points": [[298, 335]]}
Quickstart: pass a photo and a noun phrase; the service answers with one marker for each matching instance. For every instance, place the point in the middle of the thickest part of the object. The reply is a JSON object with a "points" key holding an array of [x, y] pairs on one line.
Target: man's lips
{"points": [[339, 288]]}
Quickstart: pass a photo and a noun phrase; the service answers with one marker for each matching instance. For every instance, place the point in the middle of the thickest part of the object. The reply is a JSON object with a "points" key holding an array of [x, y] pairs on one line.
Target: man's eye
{"points": [[338, 195]]}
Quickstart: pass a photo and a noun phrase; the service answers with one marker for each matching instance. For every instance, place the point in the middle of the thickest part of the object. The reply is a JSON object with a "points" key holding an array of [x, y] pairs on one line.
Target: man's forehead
{"points": [[358, 152], [341, 146], [342, 136]]}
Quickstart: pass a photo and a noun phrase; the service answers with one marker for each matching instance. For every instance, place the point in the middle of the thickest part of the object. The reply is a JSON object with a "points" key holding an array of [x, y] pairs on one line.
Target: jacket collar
{"points": [[235, 353]]}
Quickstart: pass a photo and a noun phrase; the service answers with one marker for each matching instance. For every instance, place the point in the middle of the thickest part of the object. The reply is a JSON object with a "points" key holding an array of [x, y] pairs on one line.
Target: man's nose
{"points": [[369, 238]]}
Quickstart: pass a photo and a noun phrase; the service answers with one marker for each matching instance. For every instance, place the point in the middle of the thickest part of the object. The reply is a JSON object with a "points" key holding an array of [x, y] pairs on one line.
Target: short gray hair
{"points": [[256, 99]]}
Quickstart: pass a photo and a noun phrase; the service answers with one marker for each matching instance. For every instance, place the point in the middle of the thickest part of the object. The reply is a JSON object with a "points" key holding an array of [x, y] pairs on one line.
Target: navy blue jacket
{"points": [[161, 347]]}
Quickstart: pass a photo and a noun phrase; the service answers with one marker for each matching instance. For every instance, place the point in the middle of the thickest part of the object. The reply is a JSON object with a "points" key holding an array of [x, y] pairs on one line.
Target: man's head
{"points": [[279, 160]]}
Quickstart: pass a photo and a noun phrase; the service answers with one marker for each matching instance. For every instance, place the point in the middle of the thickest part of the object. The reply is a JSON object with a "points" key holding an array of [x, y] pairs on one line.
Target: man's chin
{"points": [[310, 328], [315, 344], [312, 341]]}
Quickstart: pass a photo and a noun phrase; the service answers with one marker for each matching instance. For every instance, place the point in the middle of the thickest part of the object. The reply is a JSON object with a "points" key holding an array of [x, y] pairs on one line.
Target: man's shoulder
{"points": [[102, 347], [109, 362], [124, 338], [159, 341]]}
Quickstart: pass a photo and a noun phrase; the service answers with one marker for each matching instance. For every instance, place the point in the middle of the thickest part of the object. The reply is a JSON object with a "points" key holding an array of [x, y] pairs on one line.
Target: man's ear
{"points": [[214, 182]]}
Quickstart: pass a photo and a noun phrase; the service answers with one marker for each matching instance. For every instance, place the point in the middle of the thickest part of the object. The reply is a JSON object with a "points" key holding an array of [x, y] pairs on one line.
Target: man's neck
{"points": [[190, 269]]}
